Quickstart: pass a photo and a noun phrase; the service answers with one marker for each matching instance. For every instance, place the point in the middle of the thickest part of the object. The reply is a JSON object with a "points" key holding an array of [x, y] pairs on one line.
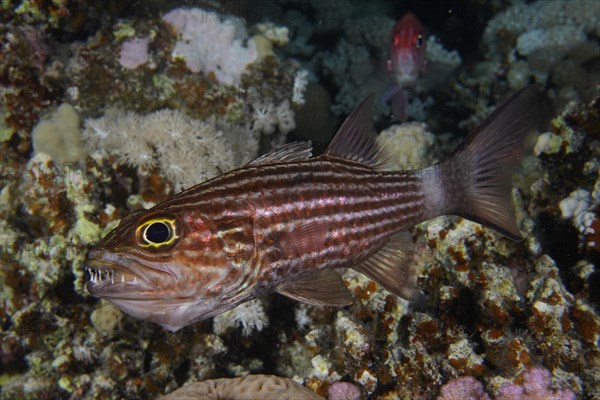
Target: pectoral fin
{"points": [[322, 288], [393, 268], [304, 239]]}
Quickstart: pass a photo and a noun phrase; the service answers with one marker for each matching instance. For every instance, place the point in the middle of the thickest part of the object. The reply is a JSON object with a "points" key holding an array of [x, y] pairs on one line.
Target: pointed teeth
{"points": [[104, 276], [123, 277]]}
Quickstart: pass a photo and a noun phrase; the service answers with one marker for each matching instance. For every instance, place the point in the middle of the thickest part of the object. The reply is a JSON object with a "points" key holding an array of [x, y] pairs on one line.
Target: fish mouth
{"points": [[110, 279]]}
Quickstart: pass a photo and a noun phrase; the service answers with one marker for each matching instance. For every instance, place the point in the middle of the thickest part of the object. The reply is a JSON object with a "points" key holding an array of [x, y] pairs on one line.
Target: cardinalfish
{"points": [[286, 221], [406, 63]]}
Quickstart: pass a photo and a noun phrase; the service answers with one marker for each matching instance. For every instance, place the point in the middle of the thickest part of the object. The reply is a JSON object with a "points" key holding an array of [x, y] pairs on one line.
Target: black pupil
{"points": [[157, 232]]}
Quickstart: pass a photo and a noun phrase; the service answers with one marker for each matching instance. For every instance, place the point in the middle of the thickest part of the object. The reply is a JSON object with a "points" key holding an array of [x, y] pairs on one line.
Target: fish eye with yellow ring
{"points": [[157, 233]]}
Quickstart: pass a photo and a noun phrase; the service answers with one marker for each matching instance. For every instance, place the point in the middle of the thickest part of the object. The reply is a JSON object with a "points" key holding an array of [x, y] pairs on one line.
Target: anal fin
{"points": [[393, 267], [322, 288]]}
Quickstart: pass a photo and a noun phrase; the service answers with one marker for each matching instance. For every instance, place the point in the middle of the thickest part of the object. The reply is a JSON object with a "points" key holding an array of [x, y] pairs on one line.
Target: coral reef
{"points": [[547, 41], [192, 60], [499, 320], [56, 342], [28, 86]]}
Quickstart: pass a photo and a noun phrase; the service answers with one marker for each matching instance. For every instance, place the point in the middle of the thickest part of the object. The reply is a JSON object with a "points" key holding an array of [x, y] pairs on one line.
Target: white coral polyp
{"points": [[185, 151], [267, 117], [249, 316], [210, 43], [144, 159], [300, 83], [264, 118], [285, 117], [97, 128]]}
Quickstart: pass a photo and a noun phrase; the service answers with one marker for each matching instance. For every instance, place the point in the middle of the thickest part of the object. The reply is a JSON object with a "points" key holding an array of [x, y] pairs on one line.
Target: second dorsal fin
{"points": [[356, 139]]}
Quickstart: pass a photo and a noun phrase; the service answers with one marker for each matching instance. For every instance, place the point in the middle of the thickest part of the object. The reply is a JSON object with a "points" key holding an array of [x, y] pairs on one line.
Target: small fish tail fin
{"points": [[475, 181]]}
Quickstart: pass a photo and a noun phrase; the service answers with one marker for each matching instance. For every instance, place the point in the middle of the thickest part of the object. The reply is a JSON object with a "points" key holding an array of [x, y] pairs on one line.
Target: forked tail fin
{"points": [[475, 181]]}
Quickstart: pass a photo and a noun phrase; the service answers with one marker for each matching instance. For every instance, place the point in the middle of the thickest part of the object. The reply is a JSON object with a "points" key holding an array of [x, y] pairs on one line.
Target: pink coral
{"points": [[463, 388], [536, 385], [343, 391], [134, 52], [209, 42]]}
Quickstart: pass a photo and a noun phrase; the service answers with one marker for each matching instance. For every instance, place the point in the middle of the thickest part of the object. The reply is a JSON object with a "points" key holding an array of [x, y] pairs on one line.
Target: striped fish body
{"points": [[285, 222], [293, 219]]}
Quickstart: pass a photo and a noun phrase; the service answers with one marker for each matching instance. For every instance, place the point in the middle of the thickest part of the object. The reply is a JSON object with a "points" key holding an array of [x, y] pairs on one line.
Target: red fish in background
{"points": [[407, 61]]}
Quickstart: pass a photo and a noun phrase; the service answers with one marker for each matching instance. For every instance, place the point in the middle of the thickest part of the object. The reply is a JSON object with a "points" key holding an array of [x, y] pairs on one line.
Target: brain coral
{"points": [[264, 387]]}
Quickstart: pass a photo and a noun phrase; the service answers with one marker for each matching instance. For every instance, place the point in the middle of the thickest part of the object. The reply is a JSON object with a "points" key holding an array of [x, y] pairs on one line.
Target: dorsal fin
{"points": [[290, 152], [356, 139]]}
